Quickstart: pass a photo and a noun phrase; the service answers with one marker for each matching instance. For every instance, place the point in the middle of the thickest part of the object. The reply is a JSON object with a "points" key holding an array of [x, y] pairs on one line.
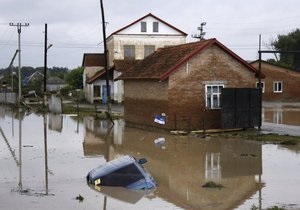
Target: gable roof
{"points": [[163, 62], [93, 59], [149, 15]]}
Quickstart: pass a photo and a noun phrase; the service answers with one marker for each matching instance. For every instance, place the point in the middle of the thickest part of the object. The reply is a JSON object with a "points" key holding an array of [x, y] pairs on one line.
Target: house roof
{"points": [[55, 81], [151, 15], [163, 62], [275, 65], [124, 65], [93, 59]]}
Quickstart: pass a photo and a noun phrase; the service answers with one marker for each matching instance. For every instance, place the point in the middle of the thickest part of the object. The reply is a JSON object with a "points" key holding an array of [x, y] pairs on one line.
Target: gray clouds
{"points": [[74, 27]]}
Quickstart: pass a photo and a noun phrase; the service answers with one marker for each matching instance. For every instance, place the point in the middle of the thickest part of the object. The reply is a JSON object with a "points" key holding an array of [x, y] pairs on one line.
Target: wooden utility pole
{"points": [[105, 59]]}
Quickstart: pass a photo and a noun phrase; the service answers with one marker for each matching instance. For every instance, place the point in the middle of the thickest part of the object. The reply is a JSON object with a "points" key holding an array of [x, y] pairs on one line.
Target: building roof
{"points": [[163, 62], [151, 15], [93, 59], [55, 81], [124, 65], [96, 76]]}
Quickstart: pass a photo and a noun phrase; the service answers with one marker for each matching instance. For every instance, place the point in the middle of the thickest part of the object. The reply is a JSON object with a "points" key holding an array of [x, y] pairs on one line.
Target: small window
{"points": [[149, 49], [143, 26], [262, 86], [129, 52], [213, 96], [155, 26], [97, 91], [277, 87]]}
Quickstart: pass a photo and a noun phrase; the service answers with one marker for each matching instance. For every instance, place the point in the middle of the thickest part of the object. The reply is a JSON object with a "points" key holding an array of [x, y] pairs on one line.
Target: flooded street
{"points": [[44, 161]]}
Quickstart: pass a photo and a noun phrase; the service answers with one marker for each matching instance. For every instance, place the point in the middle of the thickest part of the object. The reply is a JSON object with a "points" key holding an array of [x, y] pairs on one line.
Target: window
{"points": [[149, 49], [277, 87], [143, 26], [262, 86], [129, 52], [155, 26], [212, 96], [97, 91]]}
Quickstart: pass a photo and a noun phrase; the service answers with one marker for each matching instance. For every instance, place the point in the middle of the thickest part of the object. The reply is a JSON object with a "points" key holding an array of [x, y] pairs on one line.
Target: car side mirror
{"points": [[142, 161]]}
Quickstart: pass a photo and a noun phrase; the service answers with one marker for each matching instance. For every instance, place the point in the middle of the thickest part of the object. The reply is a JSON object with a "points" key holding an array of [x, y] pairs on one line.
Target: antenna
{"points": [[200, 36]]}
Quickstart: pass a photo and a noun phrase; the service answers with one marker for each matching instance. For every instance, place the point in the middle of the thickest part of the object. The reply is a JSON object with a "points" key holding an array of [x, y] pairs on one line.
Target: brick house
{"points": [[183, 84], [279, 84]]}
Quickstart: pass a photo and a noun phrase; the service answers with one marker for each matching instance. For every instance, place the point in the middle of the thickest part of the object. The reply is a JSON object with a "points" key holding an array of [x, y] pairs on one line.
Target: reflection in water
{"points": [[55, 122], [184, 164], [180, 165], [280, 115]]}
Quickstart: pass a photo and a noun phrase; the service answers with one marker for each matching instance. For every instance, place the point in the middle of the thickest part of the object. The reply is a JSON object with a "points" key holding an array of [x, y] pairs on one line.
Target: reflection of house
{"points": [[55, 84], [182, 81], [235, 165], [97, 135], [279, 84], [134, 42]]}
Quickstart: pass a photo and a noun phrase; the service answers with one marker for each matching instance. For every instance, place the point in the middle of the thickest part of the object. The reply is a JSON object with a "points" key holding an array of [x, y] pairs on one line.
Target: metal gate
{"points": [[241, 107]]}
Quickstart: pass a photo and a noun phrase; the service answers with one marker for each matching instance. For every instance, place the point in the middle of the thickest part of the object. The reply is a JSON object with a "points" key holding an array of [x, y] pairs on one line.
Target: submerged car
{"points": [[124, 171]]}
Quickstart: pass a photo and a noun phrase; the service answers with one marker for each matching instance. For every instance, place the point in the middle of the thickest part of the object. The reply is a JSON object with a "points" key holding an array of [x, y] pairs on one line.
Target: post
{"points": [[259, 83], [45, 67], [19, 27], [105, 59]]}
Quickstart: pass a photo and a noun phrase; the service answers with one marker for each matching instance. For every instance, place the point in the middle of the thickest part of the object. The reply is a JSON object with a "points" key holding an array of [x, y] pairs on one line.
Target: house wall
{"points": [[182, 96], [89, 90], [116, 44], [290, 83], [144, 100]]}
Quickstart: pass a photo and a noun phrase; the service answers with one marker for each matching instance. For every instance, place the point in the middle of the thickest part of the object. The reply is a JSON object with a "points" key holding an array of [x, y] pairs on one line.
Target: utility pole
{"points": [[200, 36], [105, 59], [19, 27], [46, 48], [12, 70]]}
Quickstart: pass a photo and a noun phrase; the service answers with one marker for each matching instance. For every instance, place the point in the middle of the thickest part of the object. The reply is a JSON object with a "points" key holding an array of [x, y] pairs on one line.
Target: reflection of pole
{"points": [[259, 193], [46, 152], [20, 153]]}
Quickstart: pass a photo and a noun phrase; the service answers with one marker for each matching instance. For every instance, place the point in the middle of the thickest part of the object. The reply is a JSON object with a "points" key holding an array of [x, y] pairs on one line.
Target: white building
{"points": [[135, 42]]}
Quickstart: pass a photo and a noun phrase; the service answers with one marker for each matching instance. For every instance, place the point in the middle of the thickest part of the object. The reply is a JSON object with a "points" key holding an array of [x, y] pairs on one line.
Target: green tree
{"points": [[74, 78], [289, 42]]}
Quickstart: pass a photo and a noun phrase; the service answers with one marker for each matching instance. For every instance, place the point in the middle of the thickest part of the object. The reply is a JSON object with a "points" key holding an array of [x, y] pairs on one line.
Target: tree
{"points": [[289, 42], [74, 78]]}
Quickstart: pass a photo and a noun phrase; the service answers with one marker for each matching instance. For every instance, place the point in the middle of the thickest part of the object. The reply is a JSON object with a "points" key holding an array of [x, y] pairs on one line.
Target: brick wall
{"points": [[290, 83], [182, 96]]}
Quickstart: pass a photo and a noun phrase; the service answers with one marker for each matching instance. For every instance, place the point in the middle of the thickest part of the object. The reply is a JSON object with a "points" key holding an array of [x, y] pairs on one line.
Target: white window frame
{"points": [[276, 88], [210, 95], [262, 85]]}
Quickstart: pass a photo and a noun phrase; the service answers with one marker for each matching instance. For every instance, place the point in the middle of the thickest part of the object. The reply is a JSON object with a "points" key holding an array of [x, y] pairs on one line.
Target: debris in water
{"points": [[80, 198]]}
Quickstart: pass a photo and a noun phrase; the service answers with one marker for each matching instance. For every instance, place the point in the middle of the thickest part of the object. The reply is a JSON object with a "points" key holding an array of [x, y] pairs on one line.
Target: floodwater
{"points": [[44, 161]]}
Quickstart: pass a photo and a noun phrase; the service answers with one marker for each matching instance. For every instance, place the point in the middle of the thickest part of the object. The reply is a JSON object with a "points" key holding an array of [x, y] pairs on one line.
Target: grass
{"points": [[212, 184], [255, 135]]}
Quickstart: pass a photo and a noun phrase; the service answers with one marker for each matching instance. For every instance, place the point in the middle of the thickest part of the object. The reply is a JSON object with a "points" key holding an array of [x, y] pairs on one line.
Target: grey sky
{"points": [[74, 26]]}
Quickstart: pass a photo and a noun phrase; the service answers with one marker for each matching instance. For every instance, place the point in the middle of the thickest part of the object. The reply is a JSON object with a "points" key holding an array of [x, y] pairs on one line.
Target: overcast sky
{"points": [[74, 26]]}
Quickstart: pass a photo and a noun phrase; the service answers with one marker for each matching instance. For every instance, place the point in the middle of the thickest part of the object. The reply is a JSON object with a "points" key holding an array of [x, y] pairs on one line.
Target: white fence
{"points": [[8, 98]]}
